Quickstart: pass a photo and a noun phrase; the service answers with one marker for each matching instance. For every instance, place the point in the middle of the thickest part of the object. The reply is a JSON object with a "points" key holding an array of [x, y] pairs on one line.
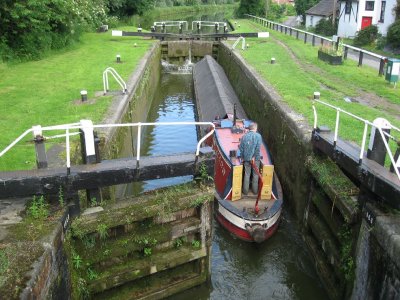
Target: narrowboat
{"points": [[250, 217]]}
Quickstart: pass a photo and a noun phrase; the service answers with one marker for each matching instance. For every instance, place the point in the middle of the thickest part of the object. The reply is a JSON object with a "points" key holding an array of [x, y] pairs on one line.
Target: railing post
{"points": [[290, 31], [89, 155], [281, 28], [381, 66], [40, 149], [285, 30], [376, 149], [346, 50], [297, 34], [313, 40], [396, 158], [138, 144], [305, 38], [360, 58]]}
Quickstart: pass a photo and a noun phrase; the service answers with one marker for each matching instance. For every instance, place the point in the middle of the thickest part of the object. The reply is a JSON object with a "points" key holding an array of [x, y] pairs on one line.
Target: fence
{"points": [[371, 59]]}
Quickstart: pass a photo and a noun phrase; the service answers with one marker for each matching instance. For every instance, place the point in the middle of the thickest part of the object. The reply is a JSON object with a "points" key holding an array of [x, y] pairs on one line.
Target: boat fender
{"points": [[256, 231]]}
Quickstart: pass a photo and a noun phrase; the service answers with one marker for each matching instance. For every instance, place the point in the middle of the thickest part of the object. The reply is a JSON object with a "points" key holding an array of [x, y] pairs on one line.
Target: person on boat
{"points": [[249, 147]]}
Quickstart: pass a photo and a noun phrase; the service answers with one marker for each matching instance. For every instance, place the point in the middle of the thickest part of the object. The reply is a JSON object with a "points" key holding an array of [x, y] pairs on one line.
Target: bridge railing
{"points": [[378, 126], [86, 125], [317, 40]]}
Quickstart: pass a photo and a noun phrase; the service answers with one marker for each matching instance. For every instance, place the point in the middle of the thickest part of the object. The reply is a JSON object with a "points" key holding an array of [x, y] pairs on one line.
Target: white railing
{"points": [[209, 24], [77, 126], [396, 165], [238, 41], [171, 24], [116, 76]]}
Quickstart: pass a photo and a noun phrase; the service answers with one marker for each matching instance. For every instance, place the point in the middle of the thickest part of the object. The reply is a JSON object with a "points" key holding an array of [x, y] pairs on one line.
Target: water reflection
{"points": [[277, 269], [172, 103]]}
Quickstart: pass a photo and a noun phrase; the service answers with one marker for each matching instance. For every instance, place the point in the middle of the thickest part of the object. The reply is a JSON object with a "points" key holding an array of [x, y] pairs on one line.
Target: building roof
{"points": [[323, 8]]}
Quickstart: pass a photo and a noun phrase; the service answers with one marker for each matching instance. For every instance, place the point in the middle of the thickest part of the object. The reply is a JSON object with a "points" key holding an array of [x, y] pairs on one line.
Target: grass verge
{"points": [[47, 92]]}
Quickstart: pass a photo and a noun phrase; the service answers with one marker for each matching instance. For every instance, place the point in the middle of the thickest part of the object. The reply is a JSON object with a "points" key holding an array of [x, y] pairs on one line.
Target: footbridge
{"points": [[95, 173]]}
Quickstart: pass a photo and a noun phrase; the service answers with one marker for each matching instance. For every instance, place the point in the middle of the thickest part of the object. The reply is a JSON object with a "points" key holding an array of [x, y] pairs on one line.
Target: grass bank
{"points": [[47, 92], [298, 73]]}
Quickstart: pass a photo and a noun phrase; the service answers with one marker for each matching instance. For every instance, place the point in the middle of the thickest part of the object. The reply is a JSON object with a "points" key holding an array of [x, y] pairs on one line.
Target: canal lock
{"points": [[174, 237]]}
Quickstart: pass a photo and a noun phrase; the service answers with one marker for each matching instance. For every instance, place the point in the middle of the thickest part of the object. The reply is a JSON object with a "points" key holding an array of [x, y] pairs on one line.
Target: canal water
{"points": [[278, 269]]}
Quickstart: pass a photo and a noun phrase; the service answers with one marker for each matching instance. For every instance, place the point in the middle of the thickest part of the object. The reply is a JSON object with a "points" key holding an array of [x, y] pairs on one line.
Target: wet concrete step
{"points": [[136, 269]]}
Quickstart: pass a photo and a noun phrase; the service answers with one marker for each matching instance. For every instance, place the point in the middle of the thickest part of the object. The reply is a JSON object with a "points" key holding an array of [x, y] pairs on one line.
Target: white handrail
{"points": [[237, 42], [116, 76], [208, 23], [364, 138], [75, 126], [170, 24]]}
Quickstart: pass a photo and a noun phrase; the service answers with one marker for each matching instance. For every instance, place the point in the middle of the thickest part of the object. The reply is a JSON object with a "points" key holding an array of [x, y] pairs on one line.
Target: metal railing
{"points": [[376, 61], [76, 126], [177, 24], [238, 41], [396, 165], [116, 76], [209, 24]]}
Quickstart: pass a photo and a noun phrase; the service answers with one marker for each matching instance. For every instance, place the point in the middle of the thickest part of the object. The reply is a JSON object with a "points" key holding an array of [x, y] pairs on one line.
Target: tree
{"points": [[252, 7], [302, 6], [129, 7]]}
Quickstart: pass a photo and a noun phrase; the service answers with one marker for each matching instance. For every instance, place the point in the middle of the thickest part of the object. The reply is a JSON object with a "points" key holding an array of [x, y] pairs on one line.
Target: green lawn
{"points": [[297, 81], [44, 92]]}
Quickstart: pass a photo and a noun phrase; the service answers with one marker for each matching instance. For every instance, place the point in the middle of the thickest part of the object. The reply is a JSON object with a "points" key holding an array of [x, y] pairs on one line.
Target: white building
{"points": [[322, 10], [356, 15]]}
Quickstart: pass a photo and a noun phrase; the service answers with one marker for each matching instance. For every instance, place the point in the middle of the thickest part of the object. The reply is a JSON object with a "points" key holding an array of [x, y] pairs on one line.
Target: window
{"points": [[347, 9], [369, 5], [383, 7]]}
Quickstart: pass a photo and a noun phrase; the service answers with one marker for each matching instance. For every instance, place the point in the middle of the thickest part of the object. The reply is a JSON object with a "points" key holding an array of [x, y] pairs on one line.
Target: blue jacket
{"points": [[250, 145]]}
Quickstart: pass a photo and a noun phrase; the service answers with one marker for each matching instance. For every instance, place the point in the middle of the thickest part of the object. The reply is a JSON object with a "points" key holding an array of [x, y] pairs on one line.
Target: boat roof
{"points": [[214, 93]]}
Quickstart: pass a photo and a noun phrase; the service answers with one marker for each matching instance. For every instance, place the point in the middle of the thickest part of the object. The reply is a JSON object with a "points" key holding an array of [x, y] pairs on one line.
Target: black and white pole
{"points": [[272, 60], [40, 149], [376, 148], [83, 95], [317, 95], [139, 28], [198, 27], [180, 27], [118, 57], [89, 155]]}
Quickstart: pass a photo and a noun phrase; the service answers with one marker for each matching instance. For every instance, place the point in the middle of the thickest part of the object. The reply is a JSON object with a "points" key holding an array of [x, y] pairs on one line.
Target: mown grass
{"points": [[44, 92], [296, 82]]}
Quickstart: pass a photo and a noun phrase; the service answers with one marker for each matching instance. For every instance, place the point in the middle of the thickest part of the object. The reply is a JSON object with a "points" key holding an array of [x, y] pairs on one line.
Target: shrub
{"points": [[325, 27], [393, 35], [366, 36]]}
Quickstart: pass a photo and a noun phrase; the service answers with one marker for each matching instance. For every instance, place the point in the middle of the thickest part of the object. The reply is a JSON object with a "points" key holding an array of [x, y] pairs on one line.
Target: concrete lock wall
{"points": [[348, 257]]}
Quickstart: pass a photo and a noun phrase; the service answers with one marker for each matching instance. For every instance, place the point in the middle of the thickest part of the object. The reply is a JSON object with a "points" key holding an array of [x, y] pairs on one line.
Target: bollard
{"points": [[40, 149], [163, 27], [239, 25], [225, 28], [376, 148], [118, 58], [346, 50], [139, 28], [83, 95], [247, 46], [198, 27], [134, 45], [317, 95], [216, 27], [180, 27], [272, 60]]}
